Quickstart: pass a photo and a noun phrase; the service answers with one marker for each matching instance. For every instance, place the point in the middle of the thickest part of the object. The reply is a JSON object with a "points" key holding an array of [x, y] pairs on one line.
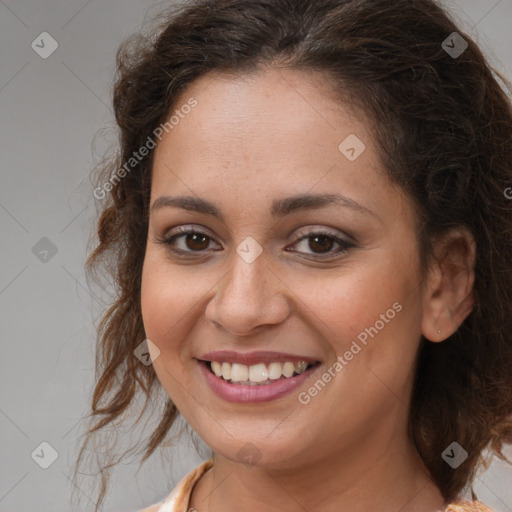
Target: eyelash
{"points": [[344, 244]]}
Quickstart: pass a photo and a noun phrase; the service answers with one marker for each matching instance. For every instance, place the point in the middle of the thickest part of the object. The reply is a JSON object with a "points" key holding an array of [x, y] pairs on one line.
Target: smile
{"points": [[257, 377], [258, 374]]}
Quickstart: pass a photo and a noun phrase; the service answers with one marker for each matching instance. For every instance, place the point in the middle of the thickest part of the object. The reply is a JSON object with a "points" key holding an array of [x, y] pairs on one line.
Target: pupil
{"points": [[193, 237], [327, 242]]}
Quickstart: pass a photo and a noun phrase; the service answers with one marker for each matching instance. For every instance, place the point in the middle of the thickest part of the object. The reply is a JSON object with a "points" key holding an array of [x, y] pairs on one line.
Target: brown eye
{"points": [[188, 241], [321, 243], [196, 241]]}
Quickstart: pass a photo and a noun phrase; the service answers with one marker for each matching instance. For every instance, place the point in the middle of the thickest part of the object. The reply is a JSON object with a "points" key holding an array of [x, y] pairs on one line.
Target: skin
{"points": [[250, 140]]}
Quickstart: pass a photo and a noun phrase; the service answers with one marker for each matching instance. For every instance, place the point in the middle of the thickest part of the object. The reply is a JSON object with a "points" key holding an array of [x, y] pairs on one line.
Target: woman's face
{"points": [[259, 285]]}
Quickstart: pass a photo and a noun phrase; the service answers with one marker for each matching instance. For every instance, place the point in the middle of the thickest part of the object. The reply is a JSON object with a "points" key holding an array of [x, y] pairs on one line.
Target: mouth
{"points": [[256, 377], [261, 374]]}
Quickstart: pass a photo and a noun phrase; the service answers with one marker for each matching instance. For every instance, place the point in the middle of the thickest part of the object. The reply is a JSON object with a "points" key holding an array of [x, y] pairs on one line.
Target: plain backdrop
{"points": [[51, 110]]}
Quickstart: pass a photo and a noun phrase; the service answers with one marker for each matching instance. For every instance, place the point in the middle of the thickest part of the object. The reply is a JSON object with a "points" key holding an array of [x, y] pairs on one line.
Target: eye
{"points": [[192, 240], [320, 242], [323, 242]]}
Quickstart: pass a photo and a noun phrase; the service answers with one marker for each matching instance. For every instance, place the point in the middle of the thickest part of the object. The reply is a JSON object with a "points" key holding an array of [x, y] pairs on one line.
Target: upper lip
{"points": [[253, 358]]}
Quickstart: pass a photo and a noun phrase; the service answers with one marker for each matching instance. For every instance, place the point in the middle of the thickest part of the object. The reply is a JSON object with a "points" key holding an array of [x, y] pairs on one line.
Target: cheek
{"points": [[371, 320], [167, 300], [370, 316], [353, 299], [172, 303], [167, 305]]}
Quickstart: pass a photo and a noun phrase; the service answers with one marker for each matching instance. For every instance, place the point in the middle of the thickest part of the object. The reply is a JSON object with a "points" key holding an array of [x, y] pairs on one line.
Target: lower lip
{"points": [[254, 394]]}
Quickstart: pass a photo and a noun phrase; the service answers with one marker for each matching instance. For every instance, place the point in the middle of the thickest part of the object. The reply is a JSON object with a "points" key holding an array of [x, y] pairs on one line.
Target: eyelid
{"points": [[335, 233], [344, 240], [344, 244], [185, 230]]}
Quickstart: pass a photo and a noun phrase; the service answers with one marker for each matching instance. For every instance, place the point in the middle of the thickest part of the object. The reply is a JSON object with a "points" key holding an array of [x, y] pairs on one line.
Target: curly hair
{"points": [[443, 127]]}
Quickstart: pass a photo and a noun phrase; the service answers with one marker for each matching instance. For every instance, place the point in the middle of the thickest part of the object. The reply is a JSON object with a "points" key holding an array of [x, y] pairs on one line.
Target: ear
{"points": [[448, 297]]}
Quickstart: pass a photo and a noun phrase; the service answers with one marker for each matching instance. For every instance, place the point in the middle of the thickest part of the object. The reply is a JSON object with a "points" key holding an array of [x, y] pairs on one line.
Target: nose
{"points": [[248, 297]]}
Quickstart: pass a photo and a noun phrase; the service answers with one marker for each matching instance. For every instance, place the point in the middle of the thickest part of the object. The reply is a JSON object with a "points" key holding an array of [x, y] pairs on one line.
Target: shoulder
{"points": [[179, 498], [152, 508], [467, 506]]}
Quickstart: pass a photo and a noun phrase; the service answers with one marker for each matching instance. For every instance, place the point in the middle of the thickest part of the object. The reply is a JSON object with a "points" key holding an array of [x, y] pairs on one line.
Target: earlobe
{"points": [[448, 297]]}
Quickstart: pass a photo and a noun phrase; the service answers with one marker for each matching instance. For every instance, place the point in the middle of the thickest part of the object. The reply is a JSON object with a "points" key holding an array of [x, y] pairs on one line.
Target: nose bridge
{"points": [[246, 281], [249, 294]]}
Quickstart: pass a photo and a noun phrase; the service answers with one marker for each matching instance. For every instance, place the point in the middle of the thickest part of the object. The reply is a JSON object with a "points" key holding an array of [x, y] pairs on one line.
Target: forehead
{"points": [[281, 108], [273, 132]]}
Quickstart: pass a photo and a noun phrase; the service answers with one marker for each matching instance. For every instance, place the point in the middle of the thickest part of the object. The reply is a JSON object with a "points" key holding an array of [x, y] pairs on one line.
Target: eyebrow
{"points": [[279, 207]]}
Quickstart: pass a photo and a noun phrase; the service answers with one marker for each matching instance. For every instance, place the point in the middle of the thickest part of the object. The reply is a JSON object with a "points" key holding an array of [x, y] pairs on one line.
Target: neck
{"points": [[385, 474]]}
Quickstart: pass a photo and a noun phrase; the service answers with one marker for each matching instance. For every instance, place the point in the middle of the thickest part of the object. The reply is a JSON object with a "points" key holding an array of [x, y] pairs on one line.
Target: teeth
{"points": [[275, 371], [288, 369], [257, 374], [226, 370], [301, 367], [217, 368], [236, 372]]}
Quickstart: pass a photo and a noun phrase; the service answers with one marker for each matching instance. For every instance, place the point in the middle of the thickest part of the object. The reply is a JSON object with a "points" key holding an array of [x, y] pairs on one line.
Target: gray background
{"points": [[52, 109]]}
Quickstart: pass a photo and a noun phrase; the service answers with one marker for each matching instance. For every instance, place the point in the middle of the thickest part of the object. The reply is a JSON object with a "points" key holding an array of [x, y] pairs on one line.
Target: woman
{"points": [[312, 241]]}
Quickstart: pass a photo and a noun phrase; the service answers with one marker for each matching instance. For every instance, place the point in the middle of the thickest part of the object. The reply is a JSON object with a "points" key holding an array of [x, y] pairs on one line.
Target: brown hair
{"points": [[443, 126]]}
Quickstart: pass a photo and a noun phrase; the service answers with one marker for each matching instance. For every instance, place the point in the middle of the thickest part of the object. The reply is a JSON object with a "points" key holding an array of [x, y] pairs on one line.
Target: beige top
{"points": [[179, 499]]}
